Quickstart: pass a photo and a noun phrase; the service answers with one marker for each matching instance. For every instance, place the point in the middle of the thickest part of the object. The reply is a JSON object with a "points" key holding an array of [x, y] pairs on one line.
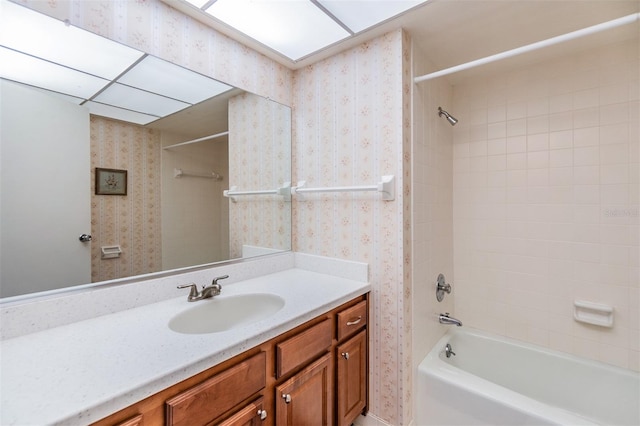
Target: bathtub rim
{"points": [[433, 366]]}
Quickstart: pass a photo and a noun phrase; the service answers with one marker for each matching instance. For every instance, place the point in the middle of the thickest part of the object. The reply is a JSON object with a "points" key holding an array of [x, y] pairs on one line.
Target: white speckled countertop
{"points": [[78, 373]]}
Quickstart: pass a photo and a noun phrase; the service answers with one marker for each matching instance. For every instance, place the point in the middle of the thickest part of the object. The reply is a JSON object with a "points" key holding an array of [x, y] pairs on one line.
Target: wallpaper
{"points": [[349, 129], [132, 221], [259, 159]]}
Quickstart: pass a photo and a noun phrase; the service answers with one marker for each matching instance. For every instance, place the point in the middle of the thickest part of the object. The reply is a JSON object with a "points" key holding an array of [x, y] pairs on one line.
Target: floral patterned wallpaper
{"points": [[350, 129], [259, 158], [132, 221]]}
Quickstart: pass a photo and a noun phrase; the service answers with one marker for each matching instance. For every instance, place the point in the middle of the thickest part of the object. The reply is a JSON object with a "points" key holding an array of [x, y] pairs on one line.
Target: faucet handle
{"points": [[215, 280], [194, 289]]}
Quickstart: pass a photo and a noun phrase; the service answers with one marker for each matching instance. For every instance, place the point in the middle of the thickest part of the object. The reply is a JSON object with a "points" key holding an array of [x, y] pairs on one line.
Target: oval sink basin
{"points": [[222, 313]]}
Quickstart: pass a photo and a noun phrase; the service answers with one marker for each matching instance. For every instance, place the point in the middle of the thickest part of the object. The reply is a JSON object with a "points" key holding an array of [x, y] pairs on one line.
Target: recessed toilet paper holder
{"points": [[442, 287]]}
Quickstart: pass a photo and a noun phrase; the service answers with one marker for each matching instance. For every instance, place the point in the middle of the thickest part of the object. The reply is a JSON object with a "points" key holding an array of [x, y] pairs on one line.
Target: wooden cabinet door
{"points": [[251, 415], [306, 399], [351, 373]]}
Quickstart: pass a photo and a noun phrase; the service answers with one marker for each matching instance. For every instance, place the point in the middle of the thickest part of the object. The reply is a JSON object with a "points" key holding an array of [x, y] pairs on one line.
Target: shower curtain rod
{"points": [[533, 46], [206, 138]]}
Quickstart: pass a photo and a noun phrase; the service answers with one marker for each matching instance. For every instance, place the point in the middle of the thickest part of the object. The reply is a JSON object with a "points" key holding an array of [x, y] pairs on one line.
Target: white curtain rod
{"points": [[205, 138], [533, 46]]}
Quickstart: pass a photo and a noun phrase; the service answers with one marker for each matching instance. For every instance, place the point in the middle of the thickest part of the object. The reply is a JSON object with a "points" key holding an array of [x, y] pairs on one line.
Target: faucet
{"points": [[448, 350], [446, 319], [207, 291]]}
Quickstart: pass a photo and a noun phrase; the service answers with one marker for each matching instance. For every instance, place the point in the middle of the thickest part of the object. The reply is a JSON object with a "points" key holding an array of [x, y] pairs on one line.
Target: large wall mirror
{"points": [[105, 141]]}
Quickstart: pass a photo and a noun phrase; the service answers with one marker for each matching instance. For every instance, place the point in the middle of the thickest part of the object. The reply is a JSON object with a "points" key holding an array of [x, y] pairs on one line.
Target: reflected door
{"points": [[40, 248]]}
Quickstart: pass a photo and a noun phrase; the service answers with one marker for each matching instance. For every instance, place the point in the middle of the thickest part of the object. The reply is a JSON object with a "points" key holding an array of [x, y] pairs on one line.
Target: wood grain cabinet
{"points": [[351, 356], [351, 373], [313, 374], [306, 399], [251, 415]]}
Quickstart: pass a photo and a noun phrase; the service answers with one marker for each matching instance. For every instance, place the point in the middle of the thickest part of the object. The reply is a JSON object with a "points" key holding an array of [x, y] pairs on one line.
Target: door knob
{"points": [[286, 397], [85, 238]]}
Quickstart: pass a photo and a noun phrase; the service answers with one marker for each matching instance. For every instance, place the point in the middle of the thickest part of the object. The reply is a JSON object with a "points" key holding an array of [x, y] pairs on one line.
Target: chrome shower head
{"points": [[448, 116]]}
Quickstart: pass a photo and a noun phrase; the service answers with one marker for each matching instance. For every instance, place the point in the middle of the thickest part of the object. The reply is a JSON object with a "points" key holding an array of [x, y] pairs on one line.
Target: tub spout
{"points": [[446, 319]]}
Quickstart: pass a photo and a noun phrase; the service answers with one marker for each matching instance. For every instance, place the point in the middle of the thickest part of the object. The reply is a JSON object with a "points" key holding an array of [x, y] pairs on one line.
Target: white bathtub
{"points": [[498, 381]]}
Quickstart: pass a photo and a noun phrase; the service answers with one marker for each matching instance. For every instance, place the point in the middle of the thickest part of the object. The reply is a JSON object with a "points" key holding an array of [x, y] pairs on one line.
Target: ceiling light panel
{"points": [[110, 111], [36, 72], [39, 35], [359, 16], [138, 100], [167, 79], [58, 95], [295, 28]]}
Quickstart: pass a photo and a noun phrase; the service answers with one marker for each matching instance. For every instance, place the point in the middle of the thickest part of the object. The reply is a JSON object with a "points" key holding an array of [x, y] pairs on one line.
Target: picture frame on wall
{"points": [[111, 181]]}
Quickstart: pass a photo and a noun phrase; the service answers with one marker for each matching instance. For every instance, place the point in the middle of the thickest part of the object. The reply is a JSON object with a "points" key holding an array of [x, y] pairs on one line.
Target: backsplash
{"points": [[33, 315], [546, 201]]}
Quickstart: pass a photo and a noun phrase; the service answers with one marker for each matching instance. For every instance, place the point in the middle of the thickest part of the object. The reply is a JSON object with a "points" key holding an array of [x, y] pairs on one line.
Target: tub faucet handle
{"points": [[448, 351], [442, 287]]}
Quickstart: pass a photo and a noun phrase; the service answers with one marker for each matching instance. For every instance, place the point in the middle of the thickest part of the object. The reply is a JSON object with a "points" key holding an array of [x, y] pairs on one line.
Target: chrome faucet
{"points": [[448, 350], [207, 291], [446, 319]]}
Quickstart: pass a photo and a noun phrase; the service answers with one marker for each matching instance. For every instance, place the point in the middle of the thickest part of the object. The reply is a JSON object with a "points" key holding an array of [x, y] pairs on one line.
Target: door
{"points": [[41, 220], [351, 373], [306, 398]]}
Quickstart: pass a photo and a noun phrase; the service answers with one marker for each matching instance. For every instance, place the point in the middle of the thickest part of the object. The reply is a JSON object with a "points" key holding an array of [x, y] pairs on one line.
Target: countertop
{"points": [[81, 372]]}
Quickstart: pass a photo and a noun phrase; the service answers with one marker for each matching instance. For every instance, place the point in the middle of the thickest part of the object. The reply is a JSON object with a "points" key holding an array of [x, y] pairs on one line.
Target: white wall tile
{"points": [[563, 177]]}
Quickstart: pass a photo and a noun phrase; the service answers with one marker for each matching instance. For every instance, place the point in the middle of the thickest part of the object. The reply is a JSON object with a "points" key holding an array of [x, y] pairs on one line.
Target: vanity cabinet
{"points": [[351, 363], [228, 389], [351, 371], [306, 398], [314, 374], [251, 415]]}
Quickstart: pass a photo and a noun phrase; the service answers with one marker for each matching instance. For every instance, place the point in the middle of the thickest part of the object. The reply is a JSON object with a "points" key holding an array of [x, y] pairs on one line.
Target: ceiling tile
{"points": [[295, 28]]}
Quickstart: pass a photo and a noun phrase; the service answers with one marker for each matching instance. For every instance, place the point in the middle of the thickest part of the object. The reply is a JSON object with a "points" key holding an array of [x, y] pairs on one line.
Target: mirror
{"points": [[174, 214]]}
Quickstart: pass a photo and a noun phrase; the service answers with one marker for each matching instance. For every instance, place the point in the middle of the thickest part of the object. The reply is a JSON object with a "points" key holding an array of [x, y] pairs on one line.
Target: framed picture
{"points": [[111, 181]]}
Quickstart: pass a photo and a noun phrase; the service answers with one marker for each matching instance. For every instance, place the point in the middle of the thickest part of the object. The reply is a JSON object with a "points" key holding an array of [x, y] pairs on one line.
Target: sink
{"points": [[222, 313]]}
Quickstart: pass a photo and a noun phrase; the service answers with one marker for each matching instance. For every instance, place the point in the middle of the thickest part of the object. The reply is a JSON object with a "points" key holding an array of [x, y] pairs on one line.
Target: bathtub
{"points": [[498, 381]]}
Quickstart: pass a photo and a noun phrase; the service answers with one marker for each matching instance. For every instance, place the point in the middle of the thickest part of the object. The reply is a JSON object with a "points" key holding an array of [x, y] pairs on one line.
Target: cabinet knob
{"points": [[345, 355], [286, 397], [262, 414]]}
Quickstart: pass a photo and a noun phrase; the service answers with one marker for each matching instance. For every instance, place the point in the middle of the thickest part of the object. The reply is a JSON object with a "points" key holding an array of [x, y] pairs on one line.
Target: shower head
{"points": [[448, 116]]}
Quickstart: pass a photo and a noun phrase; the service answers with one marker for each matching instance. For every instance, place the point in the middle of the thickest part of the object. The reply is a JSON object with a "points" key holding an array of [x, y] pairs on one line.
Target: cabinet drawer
{"points": [[252, 414], [133, 421], [208, 400], [352, 319], [302, 347]]}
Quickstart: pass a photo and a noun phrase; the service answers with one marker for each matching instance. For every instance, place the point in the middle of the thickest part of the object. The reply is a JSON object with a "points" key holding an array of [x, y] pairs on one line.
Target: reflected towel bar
{"points": [[284, 190], [177, 173]]}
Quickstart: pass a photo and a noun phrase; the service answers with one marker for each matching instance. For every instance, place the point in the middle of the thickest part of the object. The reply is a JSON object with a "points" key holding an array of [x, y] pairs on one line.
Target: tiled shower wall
{"points": [[546, 201], [432, 217]]}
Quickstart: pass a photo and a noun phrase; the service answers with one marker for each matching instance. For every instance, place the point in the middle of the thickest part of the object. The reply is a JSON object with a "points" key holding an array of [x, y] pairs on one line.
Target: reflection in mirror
{"points": [[174, 214]]}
